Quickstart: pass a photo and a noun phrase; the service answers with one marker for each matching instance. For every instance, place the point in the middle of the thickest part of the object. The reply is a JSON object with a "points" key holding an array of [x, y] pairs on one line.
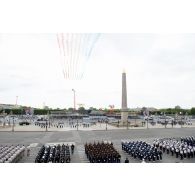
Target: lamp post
{"points": [[46, 126], [147, 114], [165, 120], [74, 99], [181, 119], [12, 121], [77, 124], [48, 116], [106, 124], [3, 118], [147, 122], [13, 125]]}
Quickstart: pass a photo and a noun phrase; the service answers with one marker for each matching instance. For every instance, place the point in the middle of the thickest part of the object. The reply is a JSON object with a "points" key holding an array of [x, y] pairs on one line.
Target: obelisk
{"points": [[124, 109]]}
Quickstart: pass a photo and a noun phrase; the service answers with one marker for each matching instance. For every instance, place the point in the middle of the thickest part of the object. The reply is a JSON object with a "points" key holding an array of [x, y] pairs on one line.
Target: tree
{"points": [[40, 112], [92, 108], [81, 110], [70, 109], [177, 107], [17, 111], [192, 111]]}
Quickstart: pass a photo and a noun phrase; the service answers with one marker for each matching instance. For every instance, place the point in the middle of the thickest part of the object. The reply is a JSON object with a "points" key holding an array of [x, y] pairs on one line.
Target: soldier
{"points": [[160, 145], [143, 161], [28, 150], [188, 152], [184, 153], [177, 152], [72, 148], [172, 123], [102, 152], [181, 154], [163, 147], [153, 158], [192, 152], [172, 150], [167, 149]]}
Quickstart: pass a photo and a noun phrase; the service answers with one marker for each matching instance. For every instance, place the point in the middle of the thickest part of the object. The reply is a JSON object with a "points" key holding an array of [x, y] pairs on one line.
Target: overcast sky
{"points": [[160, 71]]}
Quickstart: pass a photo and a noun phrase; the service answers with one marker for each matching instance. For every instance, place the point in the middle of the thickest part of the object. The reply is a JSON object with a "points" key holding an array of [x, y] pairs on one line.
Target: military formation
{"points": [[142, 151], [54, 154], [180, 148], [190, 141], [102, 153], [11, 154], [73, 125]]}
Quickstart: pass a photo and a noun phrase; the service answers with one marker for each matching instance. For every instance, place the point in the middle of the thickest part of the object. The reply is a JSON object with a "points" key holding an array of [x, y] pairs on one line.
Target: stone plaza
{"points": [[35, 138]]}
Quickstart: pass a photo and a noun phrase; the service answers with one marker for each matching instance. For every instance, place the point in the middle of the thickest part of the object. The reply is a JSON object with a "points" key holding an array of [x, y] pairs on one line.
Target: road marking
{"points": [[81, 153], [60, 143], [33, 145]]}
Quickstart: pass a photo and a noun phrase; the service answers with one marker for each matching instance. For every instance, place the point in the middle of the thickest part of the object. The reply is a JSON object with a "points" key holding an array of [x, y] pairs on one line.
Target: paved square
{"points": [[36, 139]]}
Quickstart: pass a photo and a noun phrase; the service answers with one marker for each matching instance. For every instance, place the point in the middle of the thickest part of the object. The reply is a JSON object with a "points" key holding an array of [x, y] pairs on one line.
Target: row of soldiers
{"points": [[141, 150], [181, 147], [57, 125], [54, 154], [85, 125], [190, 141], [102, 153], [43, 125], [11, 154]]}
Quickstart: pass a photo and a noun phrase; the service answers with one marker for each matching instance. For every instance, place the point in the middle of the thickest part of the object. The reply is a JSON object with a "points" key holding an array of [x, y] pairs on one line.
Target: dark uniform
{"points": [[53, 154], [72, 148], [142, 150], [102, 153]]}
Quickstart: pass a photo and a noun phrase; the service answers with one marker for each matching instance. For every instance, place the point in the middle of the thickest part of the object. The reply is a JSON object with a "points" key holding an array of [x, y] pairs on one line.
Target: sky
{"points": [[160, 71]]}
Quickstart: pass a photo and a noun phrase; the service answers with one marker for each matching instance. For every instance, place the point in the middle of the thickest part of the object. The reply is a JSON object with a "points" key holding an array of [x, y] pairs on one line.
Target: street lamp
{"points": [[4, 118], [48, 116], [165, 120], [46, 125], [106, 124], [74, 99], [147, 122], [181, 119], [13, 125], [13, 121], [77, 124]]}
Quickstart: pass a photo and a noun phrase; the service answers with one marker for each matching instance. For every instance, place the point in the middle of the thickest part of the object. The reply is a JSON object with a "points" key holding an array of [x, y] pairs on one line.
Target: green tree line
{"points": [[82, 110]]}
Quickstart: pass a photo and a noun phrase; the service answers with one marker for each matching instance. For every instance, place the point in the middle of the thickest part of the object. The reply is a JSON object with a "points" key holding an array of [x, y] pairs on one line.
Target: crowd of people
{"points": [[142, 151], [103, 152], [72, 125], [43, 124], [11, 154], [190, 141], [54, 154], [179, 147]]}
